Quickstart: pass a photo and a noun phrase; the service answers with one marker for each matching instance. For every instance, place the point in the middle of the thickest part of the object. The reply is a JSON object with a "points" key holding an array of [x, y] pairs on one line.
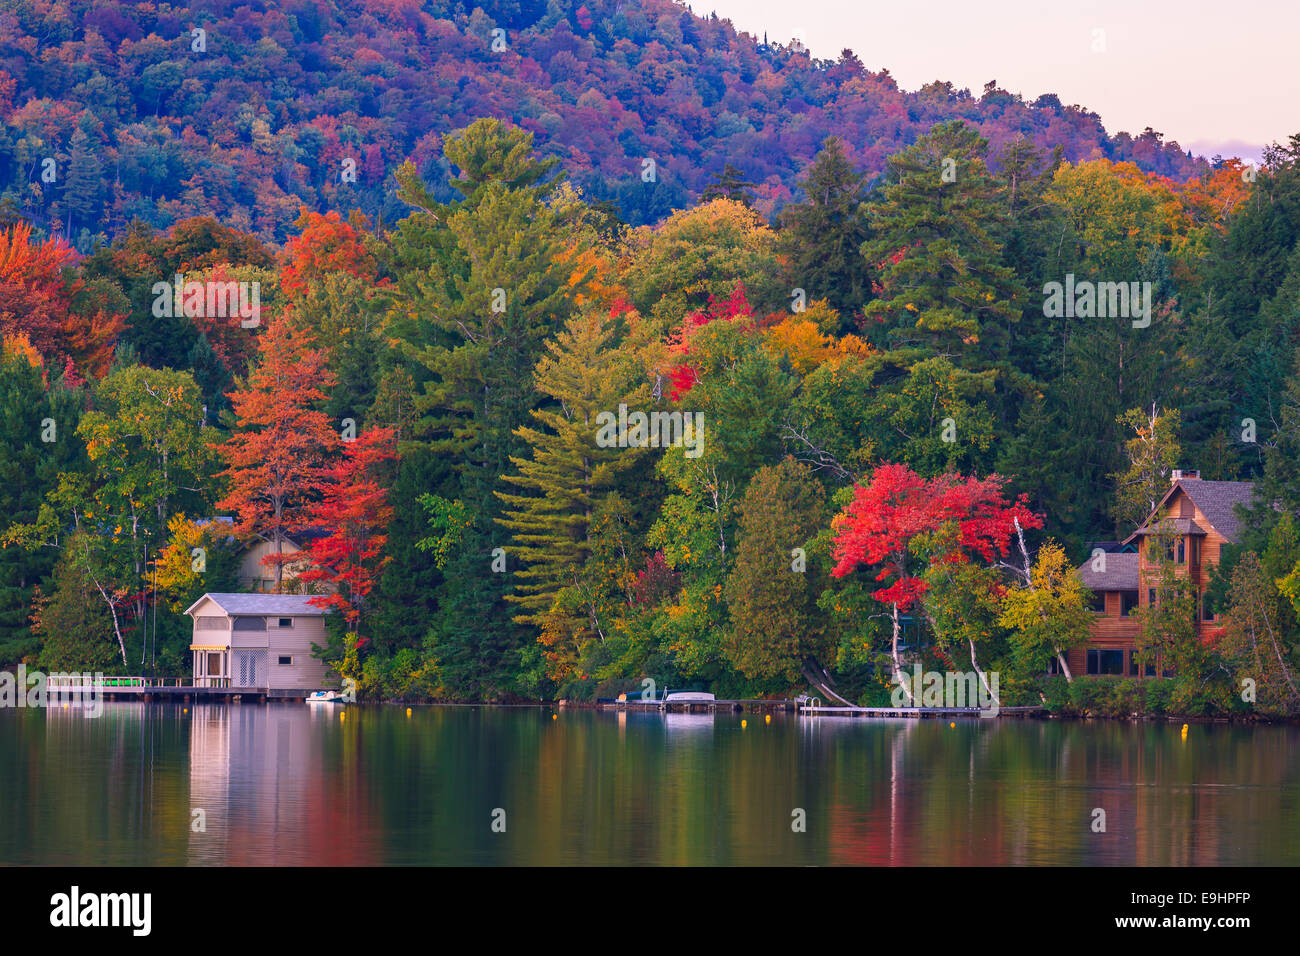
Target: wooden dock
{"points": [[804, 707], [913, 712], [700, 706], [180, 689]]}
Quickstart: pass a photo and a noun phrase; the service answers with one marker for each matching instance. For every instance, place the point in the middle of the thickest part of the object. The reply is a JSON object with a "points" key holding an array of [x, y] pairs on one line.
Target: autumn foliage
{"points": [[356, 510], [278, 459], [898, 506], [324, 243], [37, 302]]}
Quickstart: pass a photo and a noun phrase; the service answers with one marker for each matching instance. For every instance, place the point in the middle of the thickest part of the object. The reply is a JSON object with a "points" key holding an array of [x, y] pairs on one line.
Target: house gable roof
{"points": [[1217, 500], [257, 604], [1120, 574]]}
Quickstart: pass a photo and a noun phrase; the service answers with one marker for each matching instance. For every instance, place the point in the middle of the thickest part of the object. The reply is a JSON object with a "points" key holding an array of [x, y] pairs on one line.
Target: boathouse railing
{"points": [[85, 681]]}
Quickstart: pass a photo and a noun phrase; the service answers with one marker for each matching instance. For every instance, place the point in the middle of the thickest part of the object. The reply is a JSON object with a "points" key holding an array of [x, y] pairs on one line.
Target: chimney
{"points": [[1177, 475]]}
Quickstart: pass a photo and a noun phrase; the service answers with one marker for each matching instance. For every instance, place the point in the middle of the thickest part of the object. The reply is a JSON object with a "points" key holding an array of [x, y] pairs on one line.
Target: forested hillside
{"points": [[276, 105], [534, 451]]}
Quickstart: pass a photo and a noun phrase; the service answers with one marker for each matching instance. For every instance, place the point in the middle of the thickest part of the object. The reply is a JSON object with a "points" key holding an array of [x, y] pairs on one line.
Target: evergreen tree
{"points": [[935, 247], [821, 237], [777, 629], [84, 182], [729, 184], [29, 473], [570, 465], [1280, 487]]}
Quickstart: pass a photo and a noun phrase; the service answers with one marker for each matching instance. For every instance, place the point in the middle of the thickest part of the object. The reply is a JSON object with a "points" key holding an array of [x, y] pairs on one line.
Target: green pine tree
{"points": [[821, 237]]}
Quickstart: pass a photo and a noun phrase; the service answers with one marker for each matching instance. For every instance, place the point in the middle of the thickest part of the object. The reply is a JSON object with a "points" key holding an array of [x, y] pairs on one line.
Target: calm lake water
{"points": [[292, 784]]}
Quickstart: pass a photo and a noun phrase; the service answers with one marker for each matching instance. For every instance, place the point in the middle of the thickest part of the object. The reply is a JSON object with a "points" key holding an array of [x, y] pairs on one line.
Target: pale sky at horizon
{"points": [[1166, 62]]}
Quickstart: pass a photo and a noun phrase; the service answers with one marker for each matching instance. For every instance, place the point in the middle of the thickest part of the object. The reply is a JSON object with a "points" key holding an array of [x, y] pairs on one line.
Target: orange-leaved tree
{"points": [[279, 455]]}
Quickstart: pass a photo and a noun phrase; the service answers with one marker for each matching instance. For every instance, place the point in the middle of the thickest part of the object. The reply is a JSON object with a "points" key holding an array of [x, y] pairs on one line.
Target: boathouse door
{"points": [[249, 669]]}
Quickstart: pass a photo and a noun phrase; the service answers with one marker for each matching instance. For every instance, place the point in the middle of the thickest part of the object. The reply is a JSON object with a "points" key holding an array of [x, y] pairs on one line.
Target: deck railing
{"points": [[79, 681]]}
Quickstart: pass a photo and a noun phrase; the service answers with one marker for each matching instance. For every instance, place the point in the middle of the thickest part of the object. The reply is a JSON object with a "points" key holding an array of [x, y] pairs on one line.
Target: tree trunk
{"points": [[1065, 667], [898, 666], [117, 630], [983, 680], [1029, 582], [821, 686]]}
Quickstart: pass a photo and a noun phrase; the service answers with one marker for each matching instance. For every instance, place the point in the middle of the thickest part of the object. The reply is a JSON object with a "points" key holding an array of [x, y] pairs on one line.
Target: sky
{"points": [[1216, 76]]}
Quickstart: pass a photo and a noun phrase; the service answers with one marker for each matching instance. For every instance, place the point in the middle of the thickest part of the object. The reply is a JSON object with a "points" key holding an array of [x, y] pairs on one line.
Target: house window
{"points": [[284, 661], [1151, 597], [286, 622], [1105, 661], [1207, 608], [1054, 666], [1182, 551], [1137, 668], [1098, 603], [1128, 600]]}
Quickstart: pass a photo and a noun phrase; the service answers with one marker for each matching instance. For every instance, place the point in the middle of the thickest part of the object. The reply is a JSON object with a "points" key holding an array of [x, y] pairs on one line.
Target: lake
{"points": [[298, 784]]}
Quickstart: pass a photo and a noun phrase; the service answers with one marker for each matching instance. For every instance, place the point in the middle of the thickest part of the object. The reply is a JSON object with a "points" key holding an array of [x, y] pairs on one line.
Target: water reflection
{"points": [[291, 784]]}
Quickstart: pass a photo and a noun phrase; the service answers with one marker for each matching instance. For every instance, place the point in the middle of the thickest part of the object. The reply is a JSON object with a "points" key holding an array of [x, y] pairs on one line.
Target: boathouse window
{"points": [[250, 624], [1054, 666], [1099, 602], [211, 623], [286, 622], [1128, 600], [1151, 597], [1182, 551], [284, 661], [1105, 661]]}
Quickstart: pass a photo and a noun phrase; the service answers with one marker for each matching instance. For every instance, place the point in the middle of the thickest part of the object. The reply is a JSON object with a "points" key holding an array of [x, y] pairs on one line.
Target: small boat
{"points": [[689, 695], [326, 697]]}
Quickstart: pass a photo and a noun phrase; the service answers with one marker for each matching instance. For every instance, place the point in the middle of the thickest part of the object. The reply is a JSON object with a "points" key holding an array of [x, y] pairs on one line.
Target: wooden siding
{"points": [[1110, 631]]}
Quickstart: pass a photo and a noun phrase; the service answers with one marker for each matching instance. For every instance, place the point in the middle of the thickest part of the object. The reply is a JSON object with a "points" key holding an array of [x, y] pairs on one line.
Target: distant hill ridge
{"points": [[276, 105]]}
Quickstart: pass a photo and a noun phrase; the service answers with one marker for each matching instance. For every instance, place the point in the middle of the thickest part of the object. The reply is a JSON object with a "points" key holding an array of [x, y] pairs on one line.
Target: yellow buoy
{"points": [[185, 710], [952, 723], [767, 719], [744, 724], [343, 714], [555, 716], [408, 712]]}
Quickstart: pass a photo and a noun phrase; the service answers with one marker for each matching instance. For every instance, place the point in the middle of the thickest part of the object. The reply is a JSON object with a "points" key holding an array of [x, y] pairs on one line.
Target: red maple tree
{"points": [[879, 525], [355, 510], [681, 373]]}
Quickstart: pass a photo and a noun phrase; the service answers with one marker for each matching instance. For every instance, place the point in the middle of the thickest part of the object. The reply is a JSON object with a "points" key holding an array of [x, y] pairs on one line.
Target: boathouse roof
{"points": [[255, 604]]}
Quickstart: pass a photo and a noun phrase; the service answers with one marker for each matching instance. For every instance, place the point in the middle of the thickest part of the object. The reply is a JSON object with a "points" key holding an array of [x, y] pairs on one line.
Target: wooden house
{"points": [[1198, 517], [254, 575], [258, 642]]}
